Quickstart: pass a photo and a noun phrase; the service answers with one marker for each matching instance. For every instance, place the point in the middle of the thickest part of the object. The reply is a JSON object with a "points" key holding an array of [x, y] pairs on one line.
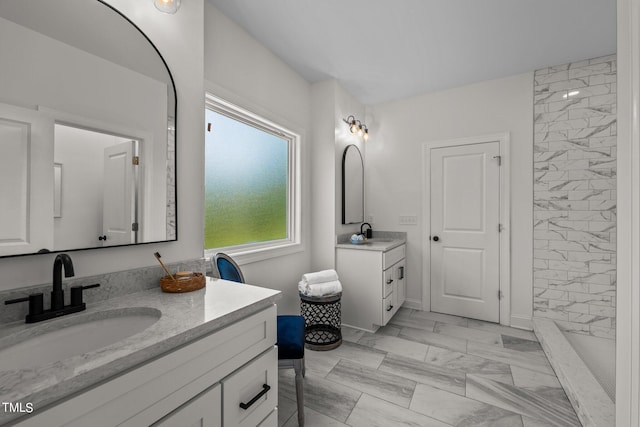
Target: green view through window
{"points": [[246, 183]]}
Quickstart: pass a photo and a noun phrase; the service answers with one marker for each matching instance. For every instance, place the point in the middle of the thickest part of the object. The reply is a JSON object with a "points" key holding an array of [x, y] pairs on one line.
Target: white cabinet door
{"points": [[465, 242], [204, 410]]}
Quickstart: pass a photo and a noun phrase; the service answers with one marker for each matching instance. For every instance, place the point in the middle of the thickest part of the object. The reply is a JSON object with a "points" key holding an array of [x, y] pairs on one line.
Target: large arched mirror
{"points": [[87, 130], [352, 186]]}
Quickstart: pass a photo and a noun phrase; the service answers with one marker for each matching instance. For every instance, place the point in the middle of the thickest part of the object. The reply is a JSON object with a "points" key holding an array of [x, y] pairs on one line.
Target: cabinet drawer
{"points": [[388, 308], [271, 420], [203, 410], [387, 285], [391, 257], [247, 387]]}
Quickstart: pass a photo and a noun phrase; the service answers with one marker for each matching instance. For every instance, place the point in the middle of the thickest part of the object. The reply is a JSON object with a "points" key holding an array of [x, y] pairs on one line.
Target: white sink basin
{"points": [[62, 338]]}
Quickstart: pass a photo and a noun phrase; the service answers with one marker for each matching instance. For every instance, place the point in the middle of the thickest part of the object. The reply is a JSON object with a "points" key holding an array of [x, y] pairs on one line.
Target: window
{"points": [[251, 190]]}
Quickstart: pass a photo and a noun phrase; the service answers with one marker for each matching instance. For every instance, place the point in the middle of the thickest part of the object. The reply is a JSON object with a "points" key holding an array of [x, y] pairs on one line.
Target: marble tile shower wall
{"points": [[575, 195]]}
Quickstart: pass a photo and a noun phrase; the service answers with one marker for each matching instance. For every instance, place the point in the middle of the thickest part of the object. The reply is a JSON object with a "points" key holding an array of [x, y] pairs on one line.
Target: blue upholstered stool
{"points": [[291, 332]]}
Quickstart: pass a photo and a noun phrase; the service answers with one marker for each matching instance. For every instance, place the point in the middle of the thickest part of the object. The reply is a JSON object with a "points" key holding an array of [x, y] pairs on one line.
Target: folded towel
{"points": [[320, 277], [320, 289]]}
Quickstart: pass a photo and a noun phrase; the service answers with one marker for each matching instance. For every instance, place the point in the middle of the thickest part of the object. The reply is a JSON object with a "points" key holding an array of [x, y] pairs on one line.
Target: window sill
{"points": [[249, 255]]}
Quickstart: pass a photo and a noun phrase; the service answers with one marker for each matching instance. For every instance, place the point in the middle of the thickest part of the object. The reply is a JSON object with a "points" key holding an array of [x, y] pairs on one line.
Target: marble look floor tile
{"points": [[533, 380], [390, 330], [440, 317], [404, 312], [321, 362], [460, 411], [286, 408], [392, 388], [395, 345], [553, 411], [327, 397], [314, 419], [412, 322], [469, 364], [425, 373], [520, 344], [485, 337], [536, 361], [501, 329], [351, 334], [434, 338], [373, 412]]}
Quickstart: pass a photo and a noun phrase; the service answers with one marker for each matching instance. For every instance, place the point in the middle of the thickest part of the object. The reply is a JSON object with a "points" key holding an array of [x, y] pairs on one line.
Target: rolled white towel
{"points": [[320, 289], [320, 277]]}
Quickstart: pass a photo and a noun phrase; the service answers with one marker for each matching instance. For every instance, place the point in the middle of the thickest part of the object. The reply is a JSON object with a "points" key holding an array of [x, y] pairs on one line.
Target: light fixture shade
{"points": [[167, 6]]}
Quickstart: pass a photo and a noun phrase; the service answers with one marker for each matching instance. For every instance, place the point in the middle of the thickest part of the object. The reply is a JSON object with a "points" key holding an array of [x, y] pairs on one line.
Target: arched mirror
{"points": [[87, 130], [352, 186]]}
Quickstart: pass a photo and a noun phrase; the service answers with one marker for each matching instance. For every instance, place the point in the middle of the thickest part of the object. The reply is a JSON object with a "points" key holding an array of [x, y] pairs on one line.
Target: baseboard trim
{"points": [[412, 303], [522, 323]]}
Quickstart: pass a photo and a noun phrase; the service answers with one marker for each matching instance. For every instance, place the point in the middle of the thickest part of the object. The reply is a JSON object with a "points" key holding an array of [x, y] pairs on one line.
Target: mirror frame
{"points": [[344, 183], [175, 153]]}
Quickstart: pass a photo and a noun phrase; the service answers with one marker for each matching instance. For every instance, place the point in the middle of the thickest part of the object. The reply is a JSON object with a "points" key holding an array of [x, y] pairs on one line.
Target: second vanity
{"points": [[373, 279], [209, 358]]}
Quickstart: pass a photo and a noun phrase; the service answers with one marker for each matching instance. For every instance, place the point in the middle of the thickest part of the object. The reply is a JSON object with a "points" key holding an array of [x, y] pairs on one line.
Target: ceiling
{"points": [[382, 50]]}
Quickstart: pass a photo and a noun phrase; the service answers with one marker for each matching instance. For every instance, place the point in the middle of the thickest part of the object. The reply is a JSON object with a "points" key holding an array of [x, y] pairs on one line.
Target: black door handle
{"points": [[102, 237], [436, 238]]}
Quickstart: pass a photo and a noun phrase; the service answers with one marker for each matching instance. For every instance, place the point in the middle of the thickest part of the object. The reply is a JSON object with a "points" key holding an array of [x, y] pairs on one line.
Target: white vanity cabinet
{"points": [[201, 383], [373, 285]]}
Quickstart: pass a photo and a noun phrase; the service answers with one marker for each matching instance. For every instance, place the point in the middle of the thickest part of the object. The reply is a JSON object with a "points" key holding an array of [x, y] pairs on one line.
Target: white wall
{"points": [[323, 178], [171, 34], [330, 105], [345, 105], [239, 69], [393, 167]]}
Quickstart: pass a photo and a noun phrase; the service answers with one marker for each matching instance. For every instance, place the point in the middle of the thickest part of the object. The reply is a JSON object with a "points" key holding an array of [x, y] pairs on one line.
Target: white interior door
{"points": [[26, 181], [119, 195], [465, 240]]}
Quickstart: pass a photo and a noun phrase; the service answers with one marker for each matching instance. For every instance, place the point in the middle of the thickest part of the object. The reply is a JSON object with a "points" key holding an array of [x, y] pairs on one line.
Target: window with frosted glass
{"points": [[246, 183]]}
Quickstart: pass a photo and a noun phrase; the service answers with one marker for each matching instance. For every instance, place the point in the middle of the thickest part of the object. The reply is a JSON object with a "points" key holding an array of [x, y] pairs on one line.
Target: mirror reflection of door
{"points": [[119, 208], [99, 189], [26, 181]]}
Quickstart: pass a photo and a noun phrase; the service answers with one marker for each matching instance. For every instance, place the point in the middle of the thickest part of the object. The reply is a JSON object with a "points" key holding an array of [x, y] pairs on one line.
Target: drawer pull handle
{"points": [[390, 308], [390, 281], [265, 389]]}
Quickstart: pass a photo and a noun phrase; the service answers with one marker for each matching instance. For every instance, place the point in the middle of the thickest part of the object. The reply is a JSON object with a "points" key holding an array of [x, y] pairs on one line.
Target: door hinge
{"points": [[134, 226], [500, 295], [500, 228], [136, 160], [499, 160]]}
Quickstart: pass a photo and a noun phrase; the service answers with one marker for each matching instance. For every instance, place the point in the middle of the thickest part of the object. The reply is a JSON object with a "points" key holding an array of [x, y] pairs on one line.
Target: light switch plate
{"points": [[408, 220]]}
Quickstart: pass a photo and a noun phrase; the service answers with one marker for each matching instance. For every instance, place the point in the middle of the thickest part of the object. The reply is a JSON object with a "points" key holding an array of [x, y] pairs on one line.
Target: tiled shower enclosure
{"points": [[575, 195]]}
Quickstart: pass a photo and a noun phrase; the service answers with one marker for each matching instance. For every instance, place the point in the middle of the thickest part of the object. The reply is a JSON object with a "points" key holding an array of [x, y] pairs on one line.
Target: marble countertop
{"points": [[185, 317], [381, 244]]}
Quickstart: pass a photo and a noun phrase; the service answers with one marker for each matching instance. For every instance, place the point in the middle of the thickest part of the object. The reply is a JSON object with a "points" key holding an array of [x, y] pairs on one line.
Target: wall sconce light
{"points": [[167, 6], [356, 126]]}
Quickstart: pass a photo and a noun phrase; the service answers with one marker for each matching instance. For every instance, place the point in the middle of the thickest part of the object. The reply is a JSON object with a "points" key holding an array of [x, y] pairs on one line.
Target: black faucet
{"points": [[36, 310], [369, 230], [57, 295]]}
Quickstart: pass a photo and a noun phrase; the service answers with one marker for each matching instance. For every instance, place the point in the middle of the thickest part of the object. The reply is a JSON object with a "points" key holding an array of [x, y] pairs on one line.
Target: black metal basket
{"points": [[323, 319]]}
